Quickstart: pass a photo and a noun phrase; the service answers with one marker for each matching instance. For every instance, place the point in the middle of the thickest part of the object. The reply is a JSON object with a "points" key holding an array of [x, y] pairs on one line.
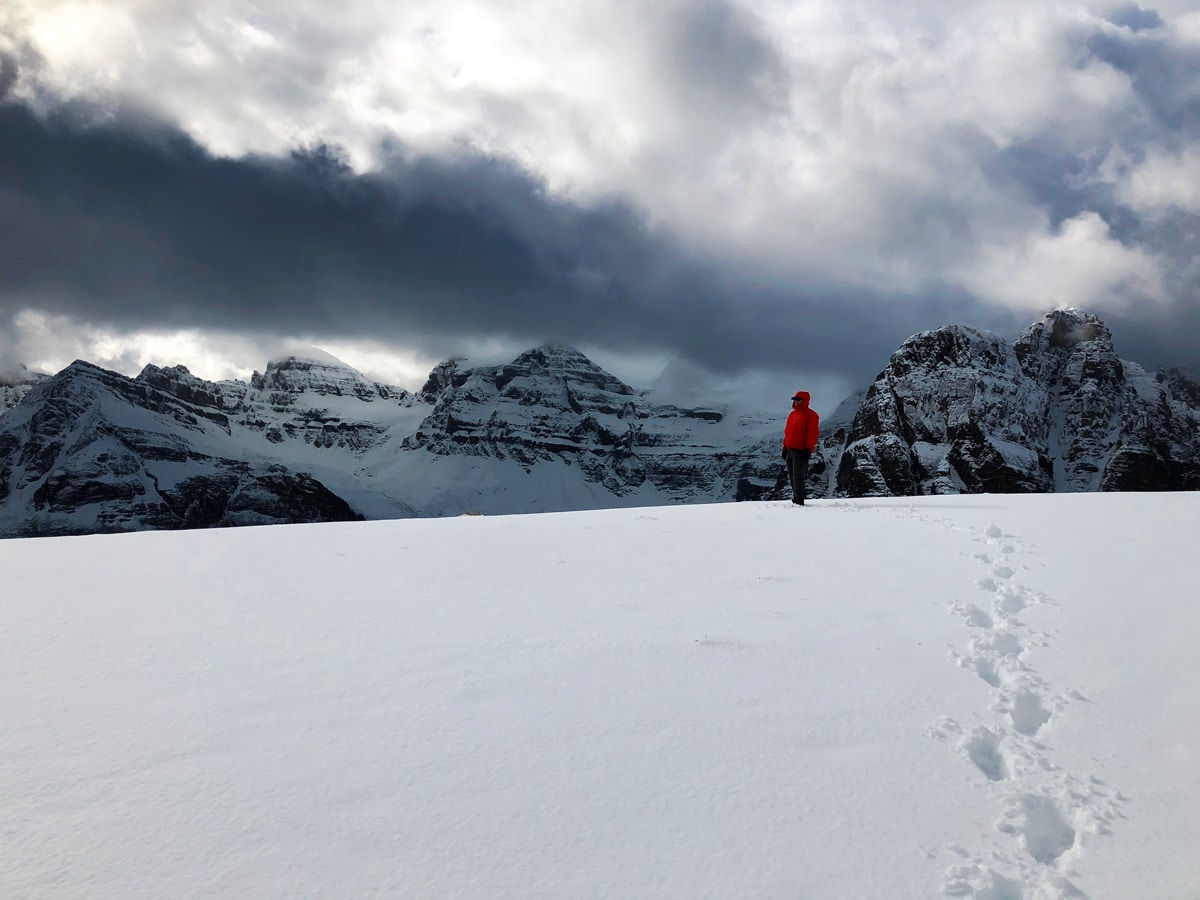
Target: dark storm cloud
{"points": [[1166, 333], [134, 221], [1063, 182], [8, 75], [1135, 18], [1165, 74], [131, 224], [850, 332]]}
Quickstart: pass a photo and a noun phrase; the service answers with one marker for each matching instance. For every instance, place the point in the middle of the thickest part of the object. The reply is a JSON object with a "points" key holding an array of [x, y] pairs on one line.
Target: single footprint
{"points": [[1004, 643], [1043, 831], [986, 669], [978, 883], [976, 616], [982, 747], [1013, 601], [1028, 714]]}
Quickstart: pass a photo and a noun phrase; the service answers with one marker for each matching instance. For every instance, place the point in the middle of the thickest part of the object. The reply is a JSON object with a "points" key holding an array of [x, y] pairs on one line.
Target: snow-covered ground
{"points": [[994, 697]]}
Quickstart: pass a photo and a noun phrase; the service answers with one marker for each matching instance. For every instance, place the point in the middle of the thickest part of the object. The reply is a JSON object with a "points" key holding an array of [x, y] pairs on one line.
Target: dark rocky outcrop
{"points": [[92, 451], [960, 411]]}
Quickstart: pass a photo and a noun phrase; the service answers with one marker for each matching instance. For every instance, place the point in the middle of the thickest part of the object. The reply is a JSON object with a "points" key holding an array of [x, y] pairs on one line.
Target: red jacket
{"points": [[803, 426]]}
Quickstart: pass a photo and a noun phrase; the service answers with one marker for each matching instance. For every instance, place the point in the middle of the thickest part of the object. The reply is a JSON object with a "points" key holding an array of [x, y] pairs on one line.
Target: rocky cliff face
{"points": [[319, 401], [92, 451], [960, 411], [554, 405], [1159, 445]]}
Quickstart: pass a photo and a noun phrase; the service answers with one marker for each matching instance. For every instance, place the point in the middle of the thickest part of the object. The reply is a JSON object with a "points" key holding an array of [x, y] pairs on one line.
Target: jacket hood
{"points": [[803, 396]]}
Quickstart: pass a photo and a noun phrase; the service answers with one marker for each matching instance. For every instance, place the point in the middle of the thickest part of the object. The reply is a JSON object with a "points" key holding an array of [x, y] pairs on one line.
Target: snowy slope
{"points": [[972, 696]]}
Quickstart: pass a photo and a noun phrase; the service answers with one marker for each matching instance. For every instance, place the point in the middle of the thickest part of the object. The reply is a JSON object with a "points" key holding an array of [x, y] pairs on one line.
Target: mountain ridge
{"points": [[956, 410]]}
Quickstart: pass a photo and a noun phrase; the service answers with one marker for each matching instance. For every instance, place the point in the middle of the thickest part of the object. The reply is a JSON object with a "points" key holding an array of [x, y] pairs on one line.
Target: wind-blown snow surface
{"points": [[976, 696]]}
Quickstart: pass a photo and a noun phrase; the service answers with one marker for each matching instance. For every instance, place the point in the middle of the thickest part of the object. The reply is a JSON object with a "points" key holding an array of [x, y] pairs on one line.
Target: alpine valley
{"points": [[955, 410]]}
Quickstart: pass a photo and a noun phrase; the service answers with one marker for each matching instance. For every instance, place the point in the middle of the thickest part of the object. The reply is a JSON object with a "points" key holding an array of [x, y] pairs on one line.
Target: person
{"points": [[799, 440]]}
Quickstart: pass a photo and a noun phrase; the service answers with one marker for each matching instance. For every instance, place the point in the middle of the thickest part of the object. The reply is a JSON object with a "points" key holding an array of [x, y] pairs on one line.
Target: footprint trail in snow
{"points": [[1047, 818]]}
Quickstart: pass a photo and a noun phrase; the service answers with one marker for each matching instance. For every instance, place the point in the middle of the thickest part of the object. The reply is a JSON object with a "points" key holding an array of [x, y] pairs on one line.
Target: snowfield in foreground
{"points": [[980, 696]]}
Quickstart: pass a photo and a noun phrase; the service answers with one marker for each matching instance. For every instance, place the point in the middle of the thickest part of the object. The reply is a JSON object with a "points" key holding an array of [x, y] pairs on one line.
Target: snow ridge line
{"points": [[1049, 817]]}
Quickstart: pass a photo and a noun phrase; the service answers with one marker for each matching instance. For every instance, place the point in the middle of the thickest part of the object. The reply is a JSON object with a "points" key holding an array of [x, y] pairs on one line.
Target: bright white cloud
{"points": [[1079, 264], [1164, 181], [47, 343], [591, 95], [79, 37], [1187, 26]]}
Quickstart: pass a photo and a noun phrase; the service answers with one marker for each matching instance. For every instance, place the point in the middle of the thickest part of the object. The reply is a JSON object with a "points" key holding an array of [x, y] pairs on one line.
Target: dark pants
{"points": [[797, 469]]}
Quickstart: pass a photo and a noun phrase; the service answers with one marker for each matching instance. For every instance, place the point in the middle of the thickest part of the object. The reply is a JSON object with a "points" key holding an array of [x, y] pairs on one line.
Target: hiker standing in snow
{"points": [[799, 440]]}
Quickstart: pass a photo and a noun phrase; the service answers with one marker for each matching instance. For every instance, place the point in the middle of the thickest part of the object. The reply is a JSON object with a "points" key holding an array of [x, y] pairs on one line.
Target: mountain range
{"points": [[955, 410]]}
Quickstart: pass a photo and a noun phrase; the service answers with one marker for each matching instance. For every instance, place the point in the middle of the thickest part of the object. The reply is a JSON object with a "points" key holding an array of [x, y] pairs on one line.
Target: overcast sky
{"points": [[749, 192]]}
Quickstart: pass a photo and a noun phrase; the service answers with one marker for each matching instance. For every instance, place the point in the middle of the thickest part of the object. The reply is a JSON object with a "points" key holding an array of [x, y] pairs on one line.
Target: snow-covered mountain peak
{"points": [[1070, 326], [90, 450], [317, 355], [77, 383], [446, 374], [183, 385], [563, 362], [952, 346], [961, 410], [296, 374], [555, 410], [1064, 330], [82, 367], [930, 422]]}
